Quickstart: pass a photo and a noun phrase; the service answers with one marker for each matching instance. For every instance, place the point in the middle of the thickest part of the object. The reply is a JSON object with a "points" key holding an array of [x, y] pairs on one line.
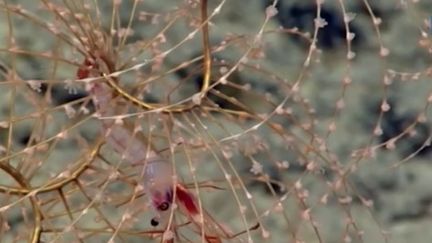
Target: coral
{"points": [[214, 121]]}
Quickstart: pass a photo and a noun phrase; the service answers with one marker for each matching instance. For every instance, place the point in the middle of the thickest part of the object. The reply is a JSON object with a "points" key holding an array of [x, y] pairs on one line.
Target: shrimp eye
{"points": [[154, 222], [163, 206]]}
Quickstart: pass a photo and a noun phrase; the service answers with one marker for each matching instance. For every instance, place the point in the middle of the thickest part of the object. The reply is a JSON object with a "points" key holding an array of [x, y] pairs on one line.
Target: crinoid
{"points": [[214, 121]]}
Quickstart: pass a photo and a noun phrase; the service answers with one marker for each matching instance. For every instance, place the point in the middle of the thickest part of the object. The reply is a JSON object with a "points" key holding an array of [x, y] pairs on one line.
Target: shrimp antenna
{"points": [[254, 227]]}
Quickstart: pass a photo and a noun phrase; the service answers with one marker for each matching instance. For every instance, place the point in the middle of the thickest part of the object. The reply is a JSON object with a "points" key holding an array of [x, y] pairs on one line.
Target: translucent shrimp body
{"points": [[120, 137], [158, 175]]}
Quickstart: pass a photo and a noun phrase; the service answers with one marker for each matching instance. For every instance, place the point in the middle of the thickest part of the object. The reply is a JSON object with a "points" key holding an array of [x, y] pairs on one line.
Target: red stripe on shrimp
{"points": [[186, 199]]}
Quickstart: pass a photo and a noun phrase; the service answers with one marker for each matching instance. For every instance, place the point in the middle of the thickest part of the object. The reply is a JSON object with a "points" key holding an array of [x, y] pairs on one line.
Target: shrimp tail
{"points": [[84, 71]]}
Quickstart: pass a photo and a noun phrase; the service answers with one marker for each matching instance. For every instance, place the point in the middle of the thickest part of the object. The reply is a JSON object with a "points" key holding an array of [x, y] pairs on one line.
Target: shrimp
{"points": [[159, 184], [161, 190], [158, 178]]}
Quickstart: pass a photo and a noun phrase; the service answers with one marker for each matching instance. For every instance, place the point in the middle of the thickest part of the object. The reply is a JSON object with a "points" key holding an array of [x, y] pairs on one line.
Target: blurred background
{"points": [[348, 80]]}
